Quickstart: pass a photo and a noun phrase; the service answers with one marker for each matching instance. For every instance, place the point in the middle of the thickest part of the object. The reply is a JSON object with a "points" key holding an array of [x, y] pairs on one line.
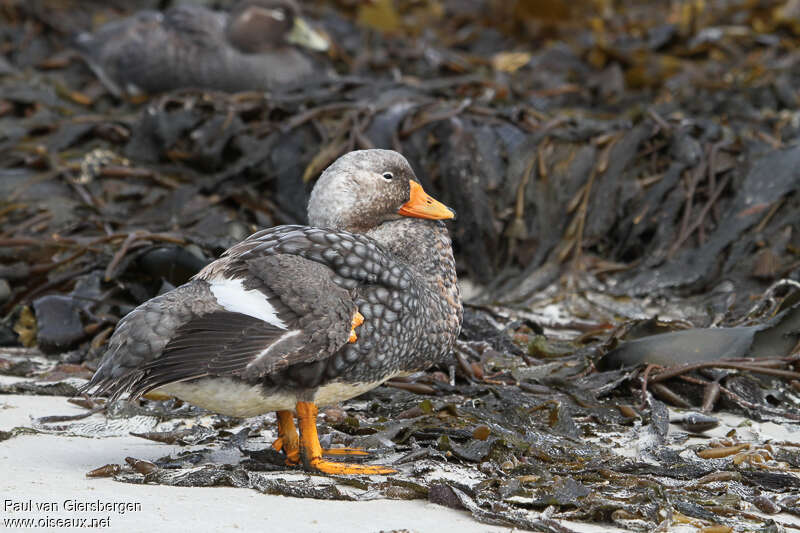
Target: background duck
{"points": [[250, 48], [299, 316]]}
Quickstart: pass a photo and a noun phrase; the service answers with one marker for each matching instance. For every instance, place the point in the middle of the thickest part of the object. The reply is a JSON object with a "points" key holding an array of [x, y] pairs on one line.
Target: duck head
{"points": [[256, 26], [364, 188]]}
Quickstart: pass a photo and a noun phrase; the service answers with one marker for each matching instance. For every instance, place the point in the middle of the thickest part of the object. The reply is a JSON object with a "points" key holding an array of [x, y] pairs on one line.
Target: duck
{"points": [[296, 317], [190, 46]]}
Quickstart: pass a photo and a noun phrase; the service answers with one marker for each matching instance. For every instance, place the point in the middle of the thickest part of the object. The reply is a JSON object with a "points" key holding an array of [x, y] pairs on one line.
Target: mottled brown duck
{"points": [[296, 317], [189, 46]]}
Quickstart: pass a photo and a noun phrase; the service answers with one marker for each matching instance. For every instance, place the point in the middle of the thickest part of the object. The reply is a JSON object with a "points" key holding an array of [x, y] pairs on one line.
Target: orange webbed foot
{"points": [[332, 467], [344, 451], [311, 452]]}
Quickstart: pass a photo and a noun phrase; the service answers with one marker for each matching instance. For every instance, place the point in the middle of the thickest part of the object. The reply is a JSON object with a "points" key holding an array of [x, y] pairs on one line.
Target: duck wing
{"points": [[154, 52], [197, 25], [355, 259], [286, 310], [120, 52], [282, 297]]}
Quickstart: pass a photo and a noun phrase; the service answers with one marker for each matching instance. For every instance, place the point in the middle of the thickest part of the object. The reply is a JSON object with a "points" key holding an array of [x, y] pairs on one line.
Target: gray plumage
{"points": [[399, 274], [191, 46]]}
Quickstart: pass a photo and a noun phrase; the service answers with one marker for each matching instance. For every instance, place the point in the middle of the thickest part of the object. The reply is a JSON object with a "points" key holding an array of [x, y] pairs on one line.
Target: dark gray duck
{"points": [[295, 317], [250, 48]]}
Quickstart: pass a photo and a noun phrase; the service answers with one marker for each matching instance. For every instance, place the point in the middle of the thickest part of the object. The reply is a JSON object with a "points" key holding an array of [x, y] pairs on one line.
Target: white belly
{"points": [[234, 398], [332, 393]]}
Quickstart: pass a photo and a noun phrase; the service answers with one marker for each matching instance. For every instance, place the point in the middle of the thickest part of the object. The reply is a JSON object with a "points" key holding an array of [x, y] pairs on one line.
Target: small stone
{"points": [[334, 415], [481, 433], [59, 324], [765, 505], [442, 494]]}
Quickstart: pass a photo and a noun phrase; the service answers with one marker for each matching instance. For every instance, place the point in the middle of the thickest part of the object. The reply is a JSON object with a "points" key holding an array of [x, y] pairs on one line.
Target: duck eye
{"points": [[387, 175], [278, 14]]}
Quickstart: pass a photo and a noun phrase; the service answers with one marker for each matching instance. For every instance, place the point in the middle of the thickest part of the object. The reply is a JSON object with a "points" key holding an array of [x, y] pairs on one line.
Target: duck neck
{"points": [[425, 246]]}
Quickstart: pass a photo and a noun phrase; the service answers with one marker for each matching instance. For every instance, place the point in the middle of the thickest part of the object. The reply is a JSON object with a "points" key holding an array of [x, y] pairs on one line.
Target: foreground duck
{"points": [[249, 48], [296, 317]]}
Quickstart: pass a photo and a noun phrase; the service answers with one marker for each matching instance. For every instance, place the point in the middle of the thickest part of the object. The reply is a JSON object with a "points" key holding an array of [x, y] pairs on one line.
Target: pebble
{"points": [[58, 321]]}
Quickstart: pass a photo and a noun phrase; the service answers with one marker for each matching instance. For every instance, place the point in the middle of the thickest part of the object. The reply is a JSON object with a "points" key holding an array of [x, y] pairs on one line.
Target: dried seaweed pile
{"points": [[525, 445], [618, 148], [615, 161]]}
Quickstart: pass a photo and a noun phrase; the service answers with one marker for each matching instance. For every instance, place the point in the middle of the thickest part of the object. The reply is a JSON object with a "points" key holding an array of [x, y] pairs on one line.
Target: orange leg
{"points": [[311, 451], [358, 319], [287, 440]]}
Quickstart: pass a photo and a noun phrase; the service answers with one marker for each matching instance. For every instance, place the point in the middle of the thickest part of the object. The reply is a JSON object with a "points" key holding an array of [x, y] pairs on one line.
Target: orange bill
{"points": [[421, 205]]}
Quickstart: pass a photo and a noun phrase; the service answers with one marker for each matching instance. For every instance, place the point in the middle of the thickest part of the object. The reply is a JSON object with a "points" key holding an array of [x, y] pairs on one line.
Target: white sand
{"points": [[51, 468], [45, 468]]}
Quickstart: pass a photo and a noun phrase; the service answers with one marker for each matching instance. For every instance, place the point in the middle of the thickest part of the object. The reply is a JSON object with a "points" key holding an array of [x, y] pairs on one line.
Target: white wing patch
{"points": [[232, 296], [266, 351]]}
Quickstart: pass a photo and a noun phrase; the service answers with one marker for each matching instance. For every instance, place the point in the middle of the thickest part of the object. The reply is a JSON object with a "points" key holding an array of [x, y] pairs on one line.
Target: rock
{"points": [[59, 323]]}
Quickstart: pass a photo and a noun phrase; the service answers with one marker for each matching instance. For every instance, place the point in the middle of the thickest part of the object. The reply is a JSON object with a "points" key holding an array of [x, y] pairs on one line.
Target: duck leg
{"points": [[289, 441], [287, 433], [358, 319], [311, 451]]}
